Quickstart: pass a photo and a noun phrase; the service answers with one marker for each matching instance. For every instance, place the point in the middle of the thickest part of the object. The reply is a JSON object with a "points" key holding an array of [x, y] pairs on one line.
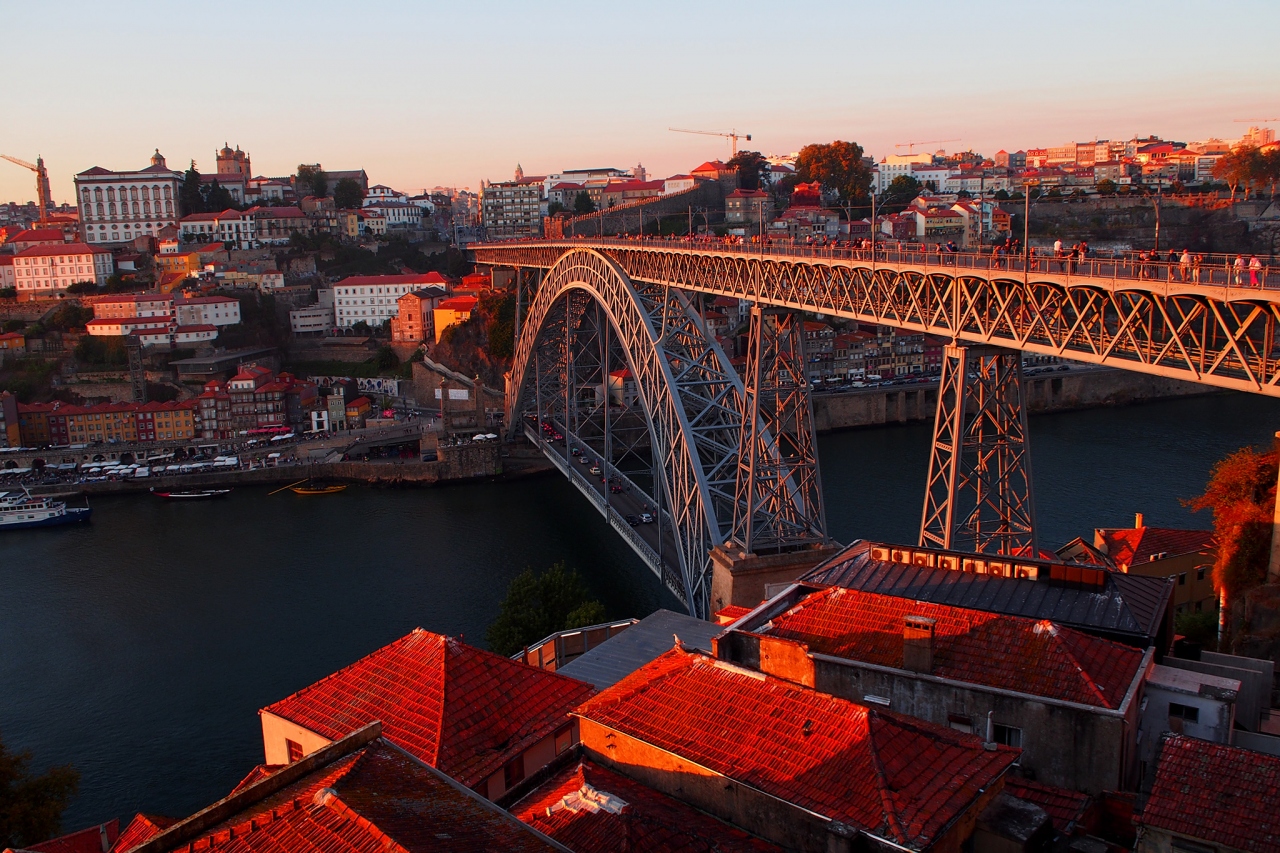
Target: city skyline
{"points": [[550, 88]]}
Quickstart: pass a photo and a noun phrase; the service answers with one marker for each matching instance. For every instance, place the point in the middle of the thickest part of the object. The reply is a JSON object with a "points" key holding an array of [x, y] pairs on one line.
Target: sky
{"points": [[424, 94]]}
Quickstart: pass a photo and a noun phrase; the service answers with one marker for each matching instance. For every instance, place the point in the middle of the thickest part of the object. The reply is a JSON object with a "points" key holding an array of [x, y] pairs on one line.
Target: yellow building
{"points": [[453, 311], [186, 263], [103, 422]]}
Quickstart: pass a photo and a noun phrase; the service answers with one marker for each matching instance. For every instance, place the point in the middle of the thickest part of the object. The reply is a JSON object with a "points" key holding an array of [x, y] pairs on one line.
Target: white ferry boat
{"points": [[20, 509]]}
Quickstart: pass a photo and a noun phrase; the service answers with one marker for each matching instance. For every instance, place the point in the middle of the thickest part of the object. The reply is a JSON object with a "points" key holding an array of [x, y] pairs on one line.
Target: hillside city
{"points": [[179, 327]]}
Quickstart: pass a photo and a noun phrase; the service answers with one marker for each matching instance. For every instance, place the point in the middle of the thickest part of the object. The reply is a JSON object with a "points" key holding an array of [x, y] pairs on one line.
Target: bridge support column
{"points": [[779, 525], [979, 493]]}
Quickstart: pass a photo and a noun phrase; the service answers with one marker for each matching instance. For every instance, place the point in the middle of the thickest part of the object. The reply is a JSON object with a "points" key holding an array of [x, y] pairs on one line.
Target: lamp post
{"points": [[1026, 232]]}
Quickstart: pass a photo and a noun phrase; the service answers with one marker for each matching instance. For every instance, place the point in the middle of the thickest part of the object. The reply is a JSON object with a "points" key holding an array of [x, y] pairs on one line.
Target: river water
{"points": [[140, 647]]}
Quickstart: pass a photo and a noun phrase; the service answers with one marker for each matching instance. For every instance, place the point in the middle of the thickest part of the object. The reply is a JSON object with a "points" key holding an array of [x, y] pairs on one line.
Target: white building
{"points": [[44, 271], [207, 311], [397, 213], [372, 298], [898, 165], [239, 228], [678, 184], [120, 326], [313, 318], [382, 192], [116, 207]]}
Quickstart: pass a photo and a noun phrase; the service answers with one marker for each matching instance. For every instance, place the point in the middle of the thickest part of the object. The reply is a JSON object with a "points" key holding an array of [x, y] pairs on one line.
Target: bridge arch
{"points": [[687, 393]]}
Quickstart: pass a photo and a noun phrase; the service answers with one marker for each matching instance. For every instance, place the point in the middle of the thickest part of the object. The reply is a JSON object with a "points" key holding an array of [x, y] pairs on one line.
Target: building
{"points": [[274, 226], [45, 271], [357, 411], [207, 310], [165, 421], [414, 321], [133, 305], [397, 214], [35, 237], [625, 192], [372, 298], [895, 166], [678, 184], [362, 793], [512, 209], [748, 207], [1211, 797], [716, 170], [1186, 556], [485, 720], [451, 312], [311, 319], [116, 207], [109, 422], [10, 421], [1026, 683], [12, 343], [236, 227], [802, 769], [182, 264]]}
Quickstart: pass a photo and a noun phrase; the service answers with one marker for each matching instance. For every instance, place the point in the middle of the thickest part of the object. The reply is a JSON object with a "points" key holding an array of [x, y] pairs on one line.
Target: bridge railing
{"points": [[1229, 271]]}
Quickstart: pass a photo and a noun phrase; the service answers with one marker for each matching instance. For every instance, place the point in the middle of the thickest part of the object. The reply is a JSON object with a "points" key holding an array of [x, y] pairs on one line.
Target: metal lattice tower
{"points": [[137, 373], [979, 494], [779, 493]]}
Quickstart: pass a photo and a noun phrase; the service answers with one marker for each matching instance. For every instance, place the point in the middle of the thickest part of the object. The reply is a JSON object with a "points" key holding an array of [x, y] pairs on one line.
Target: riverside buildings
{"points": [[117, 207]]}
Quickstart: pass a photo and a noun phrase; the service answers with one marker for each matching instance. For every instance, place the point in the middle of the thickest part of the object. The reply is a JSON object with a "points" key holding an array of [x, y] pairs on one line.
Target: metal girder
{"points": [[979, 493], [689, 394], [779, 494], [1220, 336]]}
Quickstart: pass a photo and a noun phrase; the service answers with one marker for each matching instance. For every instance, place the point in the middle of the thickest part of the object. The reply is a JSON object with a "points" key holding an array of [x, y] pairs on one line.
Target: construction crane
{"points": [[911, 146], [42, 183], [733, 136], [1258, 120]]}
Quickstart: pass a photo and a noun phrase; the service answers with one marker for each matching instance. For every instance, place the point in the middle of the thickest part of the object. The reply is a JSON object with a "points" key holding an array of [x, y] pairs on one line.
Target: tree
{"points": [[191, 196], [218, 198], [1234, 168], [900, 191], [360, 327], [753, 169], [78, 287], [554, 208], [31, 806], [501, 329], [583, 203], [540, 604], [1002, 195], [347, 194], [312, 180], [1106, 186], [386, 359], [70, 317], [839, 167]]}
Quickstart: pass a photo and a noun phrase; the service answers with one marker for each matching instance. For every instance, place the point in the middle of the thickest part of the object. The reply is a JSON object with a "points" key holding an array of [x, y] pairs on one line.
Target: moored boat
{"points": [[19, 510], [315, 489], [190, 494]]}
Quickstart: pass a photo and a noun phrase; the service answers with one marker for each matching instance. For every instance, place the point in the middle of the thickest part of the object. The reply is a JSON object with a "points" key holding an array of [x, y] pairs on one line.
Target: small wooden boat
{"points": [[190, 494], [316, 489]]}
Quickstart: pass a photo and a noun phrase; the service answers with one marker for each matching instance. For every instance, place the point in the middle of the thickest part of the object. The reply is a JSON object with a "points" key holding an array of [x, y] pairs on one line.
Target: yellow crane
{"points": [[42, 184], [733, 135], [1258, 120], [911, 146]]}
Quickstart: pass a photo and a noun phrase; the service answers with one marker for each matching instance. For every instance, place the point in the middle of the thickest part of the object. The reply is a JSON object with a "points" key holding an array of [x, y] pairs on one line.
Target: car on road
{"points": [[1065, 367], [615, 488], [584, 460], [595, 469], [646, 518], [633, 520]]}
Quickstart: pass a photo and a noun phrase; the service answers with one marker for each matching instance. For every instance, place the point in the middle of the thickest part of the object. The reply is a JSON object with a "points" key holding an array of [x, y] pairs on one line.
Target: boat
{"points": [[20, 509], [190, 494], [313, 489]]}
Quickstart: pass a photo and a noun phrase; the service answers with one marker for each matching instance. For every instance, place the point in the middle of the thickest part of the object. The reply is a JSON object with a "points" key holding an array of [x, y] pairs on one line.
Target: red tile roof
{"points": [[373, 800], [88, 840], [1217, 793], [459, 303], [1135, 545], [62, 249], [593, 810], [414, 278], [39, 235], [1006, 652], [892, 776], [458, 708], [141, 828], [1065, 808]]}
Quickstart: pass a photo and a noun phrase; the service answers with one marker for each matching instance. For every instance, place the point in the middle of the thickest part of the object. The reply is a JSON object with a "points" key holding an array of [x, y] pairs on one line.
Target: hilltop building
{"points": [[116, 207]]}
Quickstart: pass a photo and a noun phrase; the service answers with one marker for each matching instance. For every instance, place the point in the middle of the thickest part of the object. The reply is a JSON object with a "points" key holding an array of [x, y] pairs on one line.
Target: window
{"points": [[1186, 713], [960, 723], [1200, 573], [513, 772], [564, 739], [1182, 579], [295, 750], [1007, 735]]}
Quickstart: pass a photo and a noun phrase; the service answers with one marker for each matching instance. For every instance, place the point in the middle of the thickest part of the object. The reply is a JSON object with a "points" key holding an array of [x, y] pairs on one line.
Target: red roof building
{"points": [[686, 716], [484, 719], [94, 839], [1218, 797], [593, 810], [360, 795]]}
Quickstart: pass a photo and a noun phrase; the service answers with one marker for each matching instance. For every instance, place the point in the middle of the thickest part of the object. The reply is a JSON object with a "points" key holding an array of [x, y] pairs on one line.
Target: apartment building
{"points": [[45, 271]]}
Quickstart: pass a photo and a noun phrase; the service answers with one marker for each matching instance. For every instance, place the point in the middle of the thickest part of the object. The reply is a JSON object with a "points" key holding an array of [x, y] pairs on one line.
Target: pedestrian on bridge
{"points": [[1184, 265], [1255, 267], [1238, 269]]}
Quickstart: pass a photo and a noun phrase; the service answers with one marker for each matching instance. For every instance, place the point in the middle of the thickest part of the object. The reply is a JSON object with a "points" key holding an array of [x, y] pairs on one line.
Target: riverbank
{"points": [[1077, 389]]}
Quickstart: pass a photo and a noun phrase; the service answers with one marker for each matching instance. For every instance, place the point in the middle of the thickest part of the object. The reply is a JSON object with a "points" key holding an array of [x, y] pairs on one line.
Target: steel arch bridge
{"points": [[592, 333]]}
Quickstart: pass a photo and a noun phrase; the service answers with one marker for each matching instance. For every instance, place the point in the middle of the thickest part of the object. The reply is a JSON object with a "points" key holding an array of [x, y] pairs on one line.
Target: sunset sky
{"points": [[423, 94]]}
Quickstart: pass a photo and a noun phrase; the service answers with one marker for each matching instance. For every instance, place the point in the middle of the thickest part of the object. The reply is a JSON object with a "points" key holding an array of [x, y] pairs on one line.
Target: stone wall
{"points": [[625, 219]]}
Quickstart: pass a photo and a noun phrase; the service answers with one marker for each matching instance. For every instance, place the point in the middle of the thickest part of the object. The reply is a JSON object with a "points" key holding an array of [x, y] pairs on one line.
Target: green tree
{"points": [[386, 359], [69, 317], [555, 207], [900, 191], [501, 327], [8, 293], [1106, 186], [1002, 195], [31, 806], [1235, 168], [360, 327], [79, 287], [540, 604], [583, 203], [191, 196], [218, 198], [839, 167], [312, 181], [12, 326], [347, 194], [753, 169], [1241, 494]]}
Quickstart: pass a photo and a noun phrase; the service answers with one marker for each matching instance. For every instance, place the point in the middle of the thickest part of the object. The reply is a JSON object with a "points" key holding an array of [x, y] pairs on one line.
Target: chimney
{"points": [[917, 644], [1137, 520]]}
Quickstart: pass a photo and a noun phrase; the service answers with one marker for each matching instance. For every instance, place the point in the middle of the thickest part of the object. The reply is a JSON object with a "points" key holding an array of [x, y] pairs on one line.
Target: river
{"points": [[140, 647]]}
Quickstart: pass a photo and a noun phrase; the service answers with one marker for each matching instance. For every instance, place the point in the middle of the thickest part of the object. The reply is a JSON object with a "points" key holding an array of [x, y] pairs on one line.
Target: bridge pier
{"points": [[979, 494]]}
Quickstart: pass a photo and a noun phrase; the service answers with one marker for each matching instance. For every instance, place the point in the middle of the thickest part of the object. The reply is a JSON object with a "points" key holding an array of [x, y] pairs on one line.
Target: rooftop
{"points": [[1005, 652], [411, 278], [619, 656], [827, 755], [1135, 545], [1215, 792], [62, 249], [594, 810], [456, 707]]}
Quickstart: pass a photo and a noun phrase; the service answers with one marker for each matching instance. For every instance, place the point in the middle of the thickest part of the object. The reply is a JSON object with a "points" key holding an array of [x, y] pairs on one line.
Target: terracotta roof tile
{"points": [[892, 776], [142, 828], [1135, 545], [458, 708], [1006, 652], [87, 840], [567, 807], [1218, 793], [1065, 808]]}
